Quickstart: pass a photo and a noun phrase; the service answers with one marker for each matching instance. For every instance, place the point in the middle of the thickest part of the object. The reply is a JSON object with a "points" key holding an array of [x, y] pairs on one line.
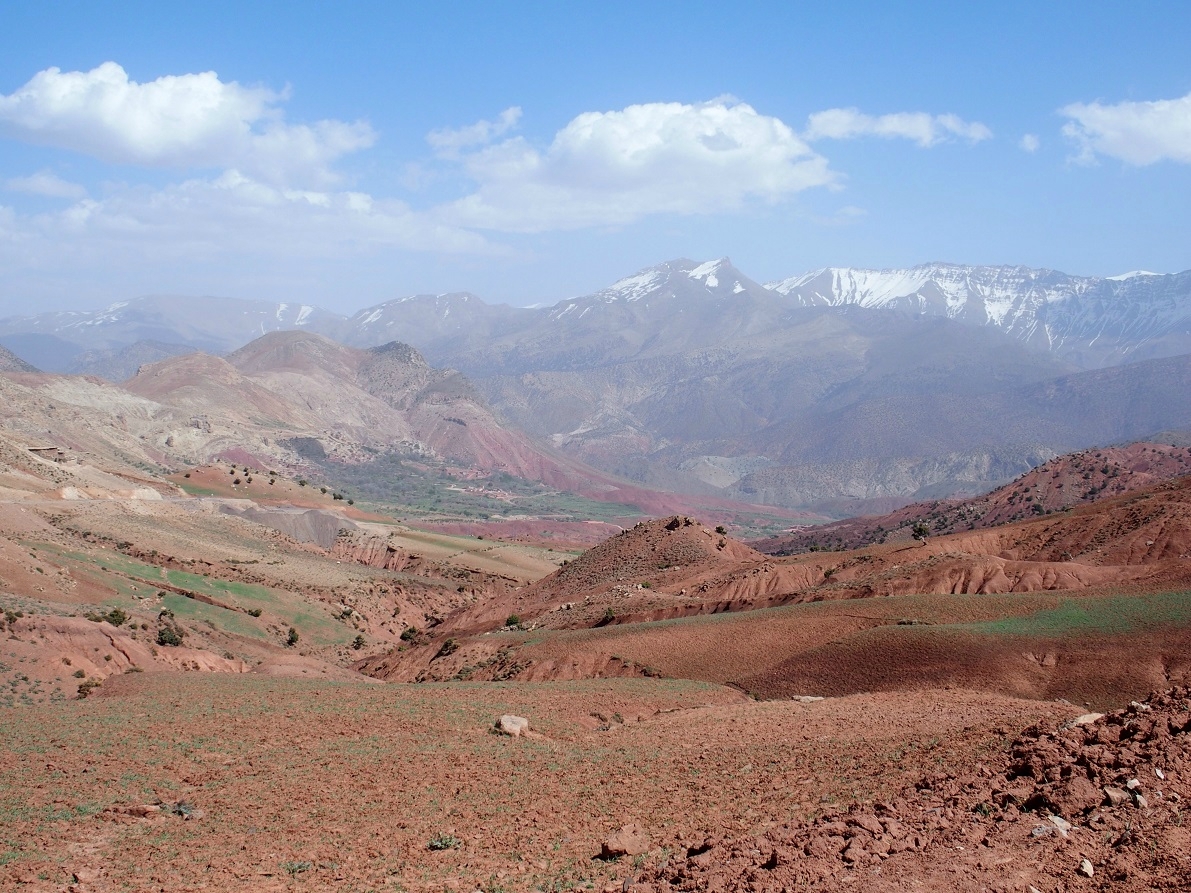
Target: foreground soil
{"points": [[175, 781]]}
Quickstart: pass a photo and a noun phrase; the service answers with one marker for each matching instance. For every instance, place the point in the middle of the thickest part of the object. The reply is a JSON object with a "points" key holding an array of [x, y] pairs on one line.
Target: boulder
{"points": [[515, 726], [631, 840]]}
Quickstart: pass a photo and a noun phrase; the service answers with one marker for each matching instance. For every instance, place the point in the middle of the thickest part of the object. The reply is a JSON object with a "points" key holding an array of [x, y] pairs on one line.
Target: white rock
{"points": [[516, 726], [1086, 869], [1061, 823]]}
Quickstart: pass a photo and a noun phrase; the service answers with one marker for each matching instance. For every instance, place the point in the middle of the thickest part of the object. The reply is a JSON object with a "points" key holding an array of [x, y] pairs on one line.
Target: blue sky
{"points": [[345, 154]]}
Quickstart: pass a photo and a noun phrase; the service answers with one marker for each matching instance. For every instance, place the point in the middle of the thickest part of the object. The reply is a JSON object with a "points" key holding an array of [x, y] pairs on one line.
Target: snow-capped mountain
{"points": [[1092, 321]]}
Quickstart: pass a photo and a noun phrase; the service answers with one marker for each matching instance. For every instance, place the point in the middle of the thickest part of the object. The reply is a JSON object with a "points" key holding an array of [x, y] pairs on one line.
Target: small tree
{"points": [[292, 638]]}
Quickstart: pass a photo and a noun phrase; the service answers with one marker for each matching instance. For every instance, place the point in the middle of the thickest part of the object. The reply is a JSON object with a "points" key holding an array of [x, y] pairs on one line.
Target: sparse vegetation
{"points": [[444, 842], [291, 638]]}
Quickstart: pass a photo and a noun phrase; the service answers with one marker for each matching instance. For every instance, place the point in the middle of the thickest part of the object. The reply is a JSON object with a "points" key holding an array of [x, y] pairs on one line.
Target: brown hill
{"points": [[1139, 542], [1063, 482]]}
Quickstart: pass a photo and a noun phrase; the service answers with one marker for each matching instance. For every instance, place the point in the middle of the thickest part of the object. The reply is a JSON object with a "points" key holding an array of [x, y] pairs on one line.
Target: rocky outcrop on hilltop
{"points": [[1095, 803]]}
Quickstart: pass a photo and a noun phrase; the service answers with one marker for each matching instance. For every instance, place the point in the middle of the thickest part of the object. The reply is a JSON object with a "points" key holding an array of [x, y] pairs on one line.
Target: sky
{"points": [[344, 154]]}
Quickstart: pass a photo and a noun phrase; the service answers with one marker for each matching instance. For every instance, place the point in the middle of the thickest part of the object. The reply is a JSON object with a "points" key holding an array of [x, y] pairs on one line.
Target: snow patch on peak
{"points": [[1130, 275], [303, 312], [707, 272], [635, 287]]}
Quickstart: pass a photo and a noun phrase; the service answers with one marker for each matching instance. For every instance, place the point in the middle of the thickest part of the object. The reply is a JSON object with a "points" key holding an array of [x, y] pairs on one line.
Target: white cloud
{"points": [[1029, 143], [182, 121], [231, 222], [611, 168], [1134, 132], [448, 143], [45, 183], [923, 128]]}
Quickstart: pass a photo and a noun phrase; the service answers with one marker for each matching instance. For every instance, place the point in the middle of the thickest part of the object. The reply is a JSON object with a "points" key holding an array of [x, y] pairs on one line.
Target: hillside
{"points": [[841, 622], [1063, 482]]}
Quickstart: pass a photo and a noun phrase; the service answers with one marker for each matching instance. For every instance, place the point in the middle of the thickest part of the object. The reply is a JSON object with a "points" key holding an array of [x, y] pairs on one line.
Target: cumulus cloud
{"points": [[1137, 133], [1029, 143], [923, 128], [448, 143], [181, 121], [45, 183], [611, 168]]}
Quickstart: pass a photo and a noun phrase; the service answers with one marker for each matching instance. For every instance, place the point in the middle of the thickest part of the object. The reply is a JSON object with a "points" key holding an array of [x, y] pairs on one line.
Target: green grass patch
{"points": [[1110, 615]]}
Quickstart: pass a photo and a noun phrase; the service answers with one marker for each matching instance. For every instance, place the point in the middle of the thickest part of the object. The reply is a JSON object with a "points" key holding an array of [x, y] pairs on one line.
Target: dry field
{"points": [[270, 783]]}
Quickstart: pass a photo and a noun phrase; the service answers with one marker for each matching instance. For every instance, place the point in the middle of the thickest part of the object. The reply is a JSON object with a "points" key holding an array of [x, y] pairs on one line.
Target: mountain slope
{"points": [[1061, 483]]}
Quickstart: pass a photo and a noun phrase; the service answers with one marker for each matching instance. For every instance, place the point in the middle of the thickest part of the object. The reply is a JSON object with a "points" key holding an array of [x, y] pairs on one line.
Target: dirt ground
{"points": [[267, 783]]}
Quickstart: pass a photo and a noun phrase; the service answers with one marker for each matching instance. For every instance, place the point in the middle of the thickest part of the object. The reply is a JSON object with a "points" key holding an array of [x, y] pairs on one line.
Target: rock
{"points": [[1115, 795], [1086, 869], [855, 852], [869, 823], [1062, 824], [631, 840], [1141, 801], [1078, 795], [515, 726], [1086, 719], [1133, 784]]}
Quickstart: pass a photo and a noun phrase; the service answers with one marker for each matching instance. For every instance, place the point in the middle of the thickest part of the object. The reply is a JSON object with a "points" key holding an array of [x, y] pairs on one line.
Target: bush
{"points": [[410, 633], [450, 646], [254, 612], [444, 842], [87, 687], [513, 620], [720, 529], [291, 638], [170, 636], [358, 643]]}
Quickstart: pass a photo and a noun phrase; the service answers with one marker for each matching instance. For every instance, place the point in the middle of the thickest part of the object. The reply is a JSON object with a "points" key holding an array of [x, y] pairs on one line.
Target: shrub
{"points": [[87, 687], [410, 633], [358, 643], [444, 842], [450, 646], [720, 529], [254, 612], [291, 638], [170, 636], [513, 620], [80, 674]]}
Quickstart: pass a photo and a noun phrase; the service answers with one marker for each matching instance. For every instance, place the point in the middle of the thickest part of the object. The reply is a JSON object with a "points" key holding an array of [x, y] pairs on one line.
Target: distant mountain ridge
{"points": [[1088, 321], [839, 390], [1093, 321]]}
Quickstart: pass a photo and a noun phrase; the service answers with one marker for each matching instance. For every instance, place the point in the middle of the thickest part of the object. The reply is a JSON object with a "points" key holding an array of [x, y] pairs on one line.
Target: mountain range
{"points": [[838, 390]]}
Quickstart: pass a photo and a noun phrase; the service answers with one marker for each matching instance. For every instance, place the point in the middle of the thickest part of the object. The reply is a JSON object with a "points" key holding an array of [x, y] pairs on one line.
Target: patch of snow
{"points": [[633, 288], [737, 288], [304, 311], [372, 317], [1131, 274], [281, 308], [707, 272]]}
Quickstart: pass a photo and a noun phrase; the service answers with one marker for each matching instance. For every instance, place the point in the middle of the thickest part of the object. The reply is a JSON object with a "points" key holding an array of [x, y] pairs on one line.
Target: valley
{"points": [[264, 608]]}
